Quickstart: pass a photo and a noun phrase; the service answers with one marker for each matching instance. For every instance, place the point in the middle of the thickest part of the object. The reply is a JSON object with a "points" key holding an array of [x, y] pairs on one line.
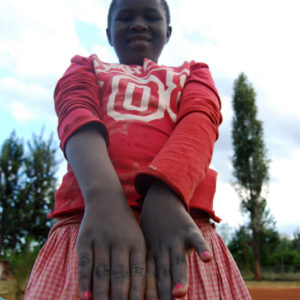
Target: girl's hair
{"points": [[114, 3]]}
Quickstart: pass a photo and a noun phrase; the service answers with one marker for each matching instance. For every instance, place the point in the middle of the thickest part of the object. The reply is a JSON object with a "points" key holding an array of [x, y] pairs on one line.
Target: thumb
{"points": [[196, 241]]}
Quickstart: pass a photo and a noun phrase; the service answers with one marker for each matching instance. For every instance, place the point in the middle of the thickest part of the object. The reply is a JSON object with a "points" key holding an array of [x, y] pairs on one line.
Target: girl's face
{"points": [[138, 30]]}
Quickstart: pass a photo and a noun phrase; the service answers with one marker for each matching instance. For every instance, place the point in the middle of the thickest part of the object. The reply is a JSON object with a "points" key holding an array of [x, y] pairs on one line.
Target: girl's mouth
{"points": [[139, 38]]}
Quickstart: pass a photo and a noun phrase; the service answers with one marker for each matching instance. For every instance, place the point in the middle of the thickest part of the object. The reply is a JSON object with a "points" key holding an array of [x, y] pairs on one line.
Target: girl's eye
{"points": [[153, 17], [124, 18]]}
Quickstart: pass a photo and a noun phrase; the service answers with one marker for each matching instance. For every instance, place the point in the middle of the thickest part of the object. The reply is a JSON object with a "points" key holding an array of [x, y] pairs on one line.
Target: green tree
{"points": [[240, 248], [40, 166], [11, 161], [27, 187], [296, 241], [270, 243], [250, 162]]}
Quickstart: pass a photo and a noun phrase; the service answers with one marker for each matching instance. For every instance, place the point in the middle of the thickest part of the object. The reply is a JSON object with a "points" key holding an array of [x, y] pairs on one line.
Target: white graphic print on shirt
{"points": [[141, 93]]}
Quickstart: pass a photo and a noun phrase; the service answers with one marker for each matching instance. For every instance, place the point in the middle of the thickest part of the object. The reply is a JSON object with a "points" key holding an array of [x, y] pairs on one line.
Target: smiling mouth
{"points": [[138, 38]]}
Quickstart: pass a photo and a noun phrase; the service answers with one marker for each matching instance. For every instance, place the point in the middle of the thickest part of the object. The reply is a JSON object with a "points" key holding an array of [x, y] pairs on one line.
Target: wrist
{"points": [[163, 196], [104, 198]]}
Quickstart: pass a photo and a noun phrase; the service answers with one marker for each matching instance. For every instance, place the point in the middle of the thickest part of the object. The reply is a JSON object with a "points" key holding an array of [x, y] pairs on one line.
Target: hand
{"points": [[111, 254], [170, 234]]}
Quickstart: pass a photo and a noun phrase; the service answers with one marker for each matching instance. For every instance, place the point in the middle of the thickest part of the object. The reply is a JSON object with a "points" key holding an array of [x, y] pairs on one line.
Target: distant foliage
{"points": [[11, 163], [27, 186], [279, 255], [250, 163]]}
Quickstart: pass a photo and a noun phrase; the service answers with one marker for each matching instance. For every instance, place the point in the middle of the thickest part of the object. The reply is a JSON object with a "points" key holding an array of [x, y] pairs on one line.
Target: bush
{"points": [[21, 265]]}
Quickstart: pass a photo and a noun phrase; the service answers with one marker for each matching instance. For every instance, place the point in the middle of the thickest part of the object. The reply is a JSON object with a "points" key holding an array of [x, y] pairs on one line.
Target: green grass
{"points": [[273, 284], [269, 275]]}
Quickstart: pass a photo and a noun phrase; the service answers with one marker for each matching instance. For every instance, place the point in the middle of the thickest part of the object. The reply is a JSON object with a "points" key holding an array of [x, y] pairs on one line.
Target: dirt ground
{"points": [[256, 294], [275, 294], [258, 291]]}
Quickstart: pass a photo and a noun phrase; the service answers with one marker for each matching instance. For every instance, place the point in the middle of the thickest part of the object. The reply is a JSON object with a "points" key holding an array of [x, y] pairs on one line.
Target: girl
{"points": [[138, 138]]}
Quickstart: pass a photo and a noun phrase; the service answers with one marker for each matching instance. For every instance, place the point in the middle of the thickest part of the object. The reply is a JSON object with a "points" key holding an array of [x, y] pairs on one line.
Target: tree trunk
{"points": [[256, 260]]}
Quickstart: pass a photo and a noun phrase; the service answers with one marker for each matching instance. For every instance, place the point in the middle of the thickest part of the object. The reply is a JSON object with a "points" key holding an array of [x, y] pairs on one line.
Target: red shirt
{"points": [[158, 121]]}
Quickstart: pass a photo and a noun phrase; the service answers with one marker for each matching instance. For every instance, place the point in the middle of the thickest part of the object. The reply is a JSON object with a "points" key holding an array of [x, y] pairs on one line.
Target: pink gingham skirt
{"points": [[54, 275]]}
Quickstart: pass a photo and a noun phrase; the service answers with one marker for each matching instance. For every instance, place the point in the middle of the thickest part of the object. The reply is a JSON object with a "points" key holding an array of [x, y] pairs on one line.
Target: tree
{"points": [[27, 187], [11, 161], [249, 161], [40, 167], [240, 248], [296, 240]]}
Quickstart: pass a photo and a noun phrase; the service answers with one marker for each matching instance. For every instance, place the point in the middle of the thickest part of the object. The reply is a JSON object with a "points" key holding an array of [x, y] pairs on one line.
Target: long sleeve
{"points": [[76, 99], [184, 160]]}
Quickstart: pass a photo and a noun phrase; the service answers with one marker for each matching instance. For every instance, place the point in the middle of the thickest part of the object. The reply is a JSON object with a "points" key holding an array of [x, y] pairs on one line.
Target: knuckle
{"points": [[84, 261], [138, 270], [178, 260], [163, 272], [119, 272], [102, 271]]}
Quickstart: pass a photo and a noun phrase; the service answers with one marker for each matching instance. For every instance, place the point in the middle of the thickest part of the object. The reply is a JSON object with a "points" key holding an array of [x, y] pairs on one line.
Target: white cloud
{"points": [[283, 196], [20, 112], [32, 100], [227, 204]]}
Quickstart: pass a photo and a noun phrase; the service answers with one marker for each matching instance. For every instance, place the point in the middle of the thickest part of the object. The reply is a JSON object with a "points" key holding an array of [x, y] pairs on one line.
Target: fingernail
{"points": [[86, 295], [178, 287], [206, 254]]}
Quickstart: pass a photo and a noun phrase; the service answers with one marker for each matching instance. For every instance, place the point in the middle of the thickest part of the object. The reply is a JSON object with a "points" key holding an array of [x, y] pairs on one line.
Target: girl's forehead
{"points": [[138, 4]]}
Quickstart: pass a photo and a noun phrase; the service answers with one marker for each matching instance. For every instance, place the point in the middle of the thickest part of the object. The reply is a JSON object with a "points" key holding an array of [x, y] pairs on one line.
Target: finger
{"points": [[180, 271], [137, 274], [101, 275], [163, 275], [196, 240], [151, 288], [119, 276], [85, 271]]}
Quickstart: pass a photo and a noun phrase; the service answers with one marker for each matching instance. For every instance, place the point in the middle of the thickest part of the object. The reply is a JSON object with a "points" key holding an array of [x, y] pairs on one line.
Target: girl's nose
{"points": [[139, 25]]}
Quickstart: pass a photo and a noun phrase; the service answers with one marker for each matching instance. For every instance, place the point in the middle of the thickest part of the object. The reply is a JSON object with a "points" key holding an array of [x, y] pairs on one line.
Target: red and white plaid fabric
{"points": [[54, 275], [218, 279]]}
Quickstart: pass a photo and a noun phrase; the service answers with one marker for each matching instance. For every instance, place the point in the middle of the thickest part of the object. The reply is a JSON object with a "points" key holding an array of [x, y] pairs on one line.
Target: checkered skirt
{"points": [[54, 275]]}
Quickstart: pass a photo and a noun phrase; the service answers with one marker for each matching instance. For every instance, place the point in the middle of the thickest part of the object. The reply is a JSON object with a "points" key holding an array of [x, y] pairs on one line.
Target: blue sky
{"points": [[258, 37]]}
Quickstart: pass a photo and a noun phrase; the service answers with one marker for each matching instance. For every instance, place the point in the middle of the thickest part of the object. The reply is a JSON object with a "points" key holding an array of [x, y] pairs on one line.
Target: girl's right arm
{"points": [[110, 244]]}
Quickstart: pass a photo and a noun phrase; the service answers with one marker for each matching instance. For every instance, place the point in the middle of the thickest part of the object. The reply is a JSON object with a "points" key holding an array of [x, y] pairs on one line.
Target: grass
{"points": [[273, 284], [272, 276]]}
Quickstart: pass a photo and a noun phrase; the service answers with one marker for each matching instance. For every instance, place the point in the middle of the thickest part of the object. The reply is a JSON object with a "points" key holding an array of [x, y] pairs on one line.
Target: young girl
{"points": [[138, 138]]}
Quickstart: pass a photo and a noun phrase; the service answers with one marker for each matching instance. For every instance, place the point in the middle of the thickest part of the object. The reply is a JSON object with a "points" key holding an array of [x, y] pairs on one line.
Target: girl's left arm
{"points": [[170, 181]]}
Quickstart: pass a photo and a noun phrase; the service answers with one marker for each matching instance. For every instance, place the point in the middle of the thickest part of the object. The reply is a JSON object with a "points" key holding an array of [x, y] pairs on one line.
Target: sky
{"points": [[257, 37]]}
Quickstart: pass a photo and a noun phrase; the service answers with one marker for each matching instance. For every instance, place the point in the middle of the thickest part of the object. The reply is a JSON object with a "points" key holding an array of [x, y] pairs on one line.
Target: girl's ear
{"points": [[169, 32], [108, 34]]}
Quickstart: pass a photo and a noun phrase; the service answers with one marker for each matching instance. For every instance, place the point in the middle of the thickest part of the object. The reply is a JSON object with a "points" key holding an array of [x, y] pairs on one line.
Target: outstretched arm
{"points": [[170, 235], [110, 244], [169, 183]]}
